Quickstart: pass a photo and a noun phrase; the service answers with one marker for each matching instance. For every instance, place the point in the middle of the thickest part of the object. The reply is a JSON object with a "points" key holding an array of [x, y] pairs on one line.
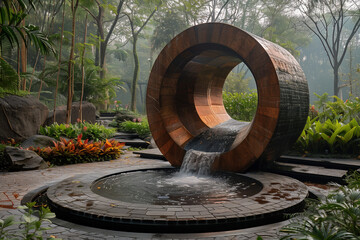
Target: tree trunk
{"points": [[23, 57], [71, 64], [336, 80], [83, 71], [135, 76], [59, 63]]}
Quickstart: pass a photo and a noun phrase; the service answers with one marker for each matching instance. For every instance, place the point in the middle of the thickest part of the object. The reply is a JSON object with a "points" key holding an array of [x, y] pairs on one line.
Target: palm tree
{"points": [[15, 33]]}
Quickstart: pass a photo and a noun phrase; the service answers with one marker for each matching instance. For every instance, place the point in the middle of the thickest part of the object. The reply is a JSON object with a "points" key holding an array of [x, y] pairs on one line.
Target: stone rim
{"points": [[72, 199]]}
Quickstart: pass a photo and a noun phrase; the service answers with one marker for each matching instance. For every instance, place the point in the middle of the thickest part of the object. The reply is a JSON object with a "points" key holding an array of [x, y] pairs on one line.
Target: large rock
{"points": [[88, 113], [40, 141], [21, 117], [22, 159]]}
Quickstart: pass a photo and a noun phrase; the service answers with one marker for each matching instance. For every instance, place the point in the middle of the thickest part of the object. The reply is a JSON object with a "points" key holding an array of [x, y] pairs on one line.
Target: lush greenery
{"points": [[241, 106], [330, 137], [335, 217], [77, 151], [344, 111], [139, 127], [331, 128], [30, 227], [95, 132]]}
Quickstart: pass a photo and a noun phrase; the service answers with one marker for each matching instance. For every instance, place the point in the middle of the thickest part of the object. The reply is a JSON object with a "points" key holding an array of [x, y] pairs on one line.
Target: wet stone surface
{"points": [[14, 185], [278, 194]]}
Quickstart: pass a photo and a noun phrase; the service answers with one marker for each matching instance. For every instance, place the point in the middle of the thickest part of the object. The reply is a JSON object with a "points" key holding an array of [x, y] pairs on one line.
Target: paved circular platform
{"points": [[73, 200]]}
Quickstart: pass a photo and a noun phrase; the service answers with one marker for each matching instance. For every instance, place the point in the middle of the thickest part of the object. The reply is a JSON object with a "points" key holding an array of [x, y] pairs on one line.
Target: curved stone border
{"points": [[73, 200], [184, 94]]}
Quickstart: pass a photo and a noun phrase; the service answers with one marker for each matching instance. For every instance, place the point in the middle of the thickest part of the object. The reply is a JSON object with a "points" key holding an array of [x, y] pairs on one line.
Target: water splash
{"points": [[198, 163]]}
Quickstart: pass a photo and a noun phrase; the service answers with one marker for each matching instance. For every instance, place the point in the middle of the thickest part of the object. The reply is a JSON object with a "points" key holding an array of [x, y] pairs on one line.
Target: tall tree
{"points": [[102, 27], [70, 78], [59, 62], [138, 14], [327, 19]]}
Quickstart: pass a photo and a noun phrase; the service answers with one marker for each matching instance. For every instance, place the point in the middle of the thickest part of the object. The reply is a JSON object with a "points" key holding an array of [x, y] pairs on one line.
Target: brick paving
{"points": [[14, 185]]}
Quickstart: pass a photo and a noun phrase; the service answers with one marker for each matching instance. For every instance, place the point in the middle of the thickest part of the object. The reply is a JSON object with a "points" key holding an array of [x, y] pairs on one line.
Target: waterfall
{"points": [[197, 162]]}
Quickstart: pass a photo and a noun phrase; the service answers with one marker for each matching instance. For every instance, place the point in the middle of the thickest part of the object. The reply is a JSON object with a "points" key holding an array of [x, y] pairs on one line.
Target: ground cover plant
{"points": [[30, 226], [95, 132], [335, 217], [78, 151]]}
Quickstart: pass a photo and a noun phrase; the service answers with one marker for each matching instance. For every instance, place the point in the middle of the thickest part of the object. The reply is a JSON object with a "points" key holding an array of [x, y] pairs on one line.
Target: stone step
{"points": [[137, 142], [124, 135], [153, 153], [311, 173], [336, 163]]}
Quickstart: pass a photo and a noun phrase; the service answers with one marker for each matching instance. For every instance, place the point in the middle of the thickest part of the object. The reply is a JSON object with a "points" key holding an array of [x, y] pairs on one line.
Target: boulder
{"points": [[21, 117], [22, 159], [88, 113], [38, 141]]}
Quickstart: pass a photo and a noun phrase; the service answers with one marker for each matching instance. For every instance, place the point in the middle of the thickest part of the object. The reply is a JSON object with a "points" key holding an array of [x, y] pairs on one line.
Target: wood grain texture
{"points": [[184, 94]]}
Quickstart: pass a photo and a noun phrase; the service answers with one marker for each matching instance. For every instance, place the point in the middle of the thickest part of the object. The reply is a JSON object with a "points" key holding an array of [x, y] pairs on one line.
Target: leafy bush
{"points": [[30, 227], [343, 111], [78, 151], [329, 137], [241, 106], [335, 217], [89, 131], [126, 115], [141, 128]]}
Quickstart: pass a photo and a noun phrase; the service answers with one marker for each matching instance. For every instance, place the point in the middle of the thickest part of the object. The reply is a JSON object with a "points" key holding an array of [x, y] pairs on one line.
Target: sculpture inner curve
{"points": [[184, 97]]}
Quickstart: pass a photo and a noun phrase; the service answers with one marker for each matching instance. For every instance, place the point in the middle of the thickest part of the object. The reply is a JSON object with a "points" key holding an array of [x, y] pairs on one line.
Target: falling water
{"points": [[202, 150], [198, 163]]}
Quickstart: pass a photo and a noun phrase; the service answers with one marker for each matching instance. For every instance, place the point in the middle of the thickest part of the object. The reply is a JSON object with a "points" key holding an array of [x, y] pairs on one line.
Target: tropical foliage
{"points": [[343, 111], [95, 132], [77, 151], [332, 127], [336, 217], [329, 137]]}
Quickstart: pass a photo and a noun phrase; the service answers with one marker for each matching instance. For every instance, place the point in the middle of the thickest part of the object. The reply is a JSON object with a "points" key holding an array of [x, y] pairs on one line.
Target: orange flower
{"points": [[85, 128]]}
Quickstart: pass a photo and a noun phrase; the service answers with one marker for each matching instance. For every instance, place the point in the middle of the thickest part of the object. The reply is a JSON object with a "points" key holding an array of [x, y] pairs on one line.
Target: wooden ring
{"points": [[184, 94]]}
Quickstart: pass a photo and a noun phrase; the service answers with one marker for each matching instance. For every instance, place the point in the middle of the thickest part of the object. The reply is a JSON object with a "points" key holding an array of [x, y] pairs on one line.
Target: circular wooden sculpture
{"points": [[184, 94]]}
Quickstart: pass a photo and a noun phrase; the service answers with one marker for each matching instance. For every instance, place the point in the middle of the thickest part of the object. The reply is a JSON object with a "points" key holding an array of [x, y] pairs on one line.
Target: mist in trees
{"points": [[109, 56]]}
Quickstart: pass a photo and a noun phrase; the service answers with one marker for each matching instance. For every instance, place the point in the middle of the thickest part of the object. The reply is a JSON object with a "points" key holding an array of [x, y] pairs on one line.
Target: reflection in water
{"points": [[167, 187]]}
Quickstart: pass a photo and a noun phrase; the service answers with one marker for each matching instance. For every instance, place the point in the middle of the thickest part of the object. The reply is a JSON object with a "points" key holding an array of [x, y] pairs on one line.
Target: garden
{"points": [[74, 89]]}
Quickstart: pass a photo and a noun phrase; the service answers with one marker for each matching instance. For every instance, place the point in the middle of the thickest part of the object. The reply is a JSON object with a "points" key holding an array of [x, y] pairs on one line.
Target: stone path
{"points": [[14, 185]]}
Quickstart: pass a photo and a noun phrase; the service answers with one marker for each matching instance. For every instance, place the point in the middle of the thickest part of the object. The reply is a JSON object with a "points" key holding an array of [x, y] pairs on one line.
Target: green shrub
{"points": [[126, 115], [95, 132], [241, 106], [335, 217], [343, 111], [141, 128], [30, 227], [329, 137]]}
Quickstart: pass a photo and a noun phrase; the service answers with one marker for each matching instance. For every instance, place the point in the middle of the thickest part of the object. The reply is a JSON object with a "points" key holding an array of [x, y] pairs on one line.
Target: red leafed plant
{"points": [[79, 151]]}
